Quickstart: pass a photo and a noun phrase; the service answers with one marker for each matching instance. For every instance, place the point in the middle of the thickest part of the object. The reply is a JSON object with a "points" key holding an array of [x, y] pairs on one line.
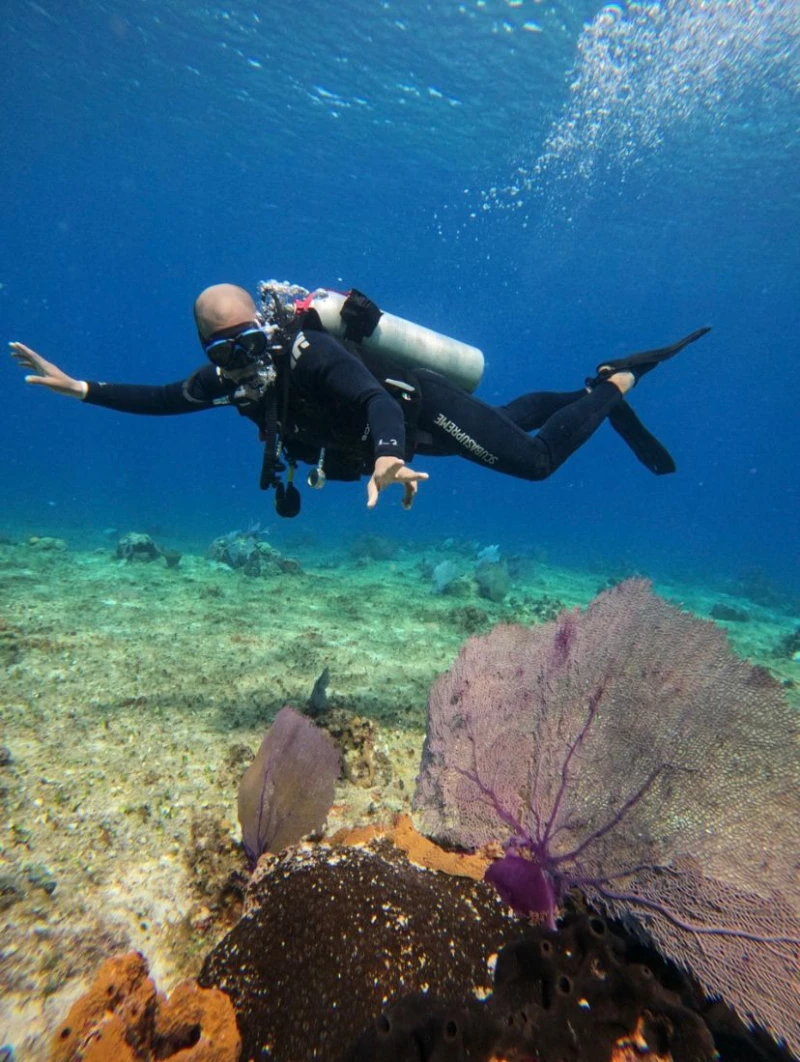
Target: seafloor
{"points": [[133, 696]]}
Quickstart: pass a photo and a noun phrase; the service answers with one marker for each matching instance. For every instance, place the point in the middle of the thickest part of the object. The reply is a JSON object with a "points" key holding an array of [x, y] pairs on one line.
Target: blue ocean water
{"points": [[557, 183]]}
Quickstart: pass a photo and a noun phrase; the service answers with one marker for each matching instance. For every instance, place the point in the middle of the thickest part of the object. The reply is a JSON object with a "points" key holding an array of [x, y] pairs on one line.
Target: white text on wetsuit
{"points": [[463, 439]]}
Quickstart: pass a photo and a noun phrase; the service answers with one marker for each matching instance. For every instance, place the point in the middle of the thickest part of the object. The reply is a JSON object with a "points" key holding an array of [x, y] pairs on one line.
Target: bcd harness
{"points": [[286, 435]]}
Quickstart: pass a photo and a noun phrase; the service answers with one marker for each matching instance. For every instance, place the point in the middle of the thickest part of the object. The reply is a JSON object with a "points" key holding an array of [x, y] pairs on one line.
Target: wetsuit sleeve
{"points": [[329, 373], [202, 390]]}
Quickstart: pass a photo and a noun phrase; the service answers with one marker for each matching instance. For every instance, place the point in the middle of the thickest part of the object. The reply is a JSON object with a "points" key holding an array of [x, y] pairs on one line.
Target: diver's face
{"points": [[236, 350]]}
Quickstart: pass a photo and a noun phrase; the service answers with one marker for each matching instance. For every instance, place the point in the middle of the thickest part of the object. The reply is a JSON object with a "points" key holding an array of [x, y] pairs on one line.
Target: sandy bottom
{"points": [[131, 693]]}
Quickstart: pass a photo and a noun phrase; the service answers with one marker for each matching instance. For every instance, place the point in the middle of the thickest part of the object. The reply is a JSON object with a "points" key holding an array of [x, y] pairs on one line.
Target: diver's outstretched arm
{"points": [[44, 374]]}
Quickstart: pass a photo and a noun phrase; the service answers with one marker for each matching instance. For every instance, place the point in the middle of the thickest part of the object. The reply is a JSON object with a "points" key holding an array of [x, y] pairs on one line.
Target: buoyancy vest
{"points": [[390, 347], [310, 426]]}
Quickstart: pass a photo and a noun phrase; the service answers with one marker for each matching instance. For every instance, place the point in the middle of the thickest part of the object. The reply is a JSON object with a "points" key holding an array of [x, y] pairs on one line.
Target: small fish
{"points": [[318, 701]]}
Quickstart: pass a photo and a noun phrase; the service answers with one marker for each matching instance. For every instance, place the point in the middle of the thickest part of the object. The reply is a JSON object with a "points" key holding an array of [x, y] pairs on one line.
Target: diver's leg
{"points": [[532, 410], [568, 419], [464, 425]]}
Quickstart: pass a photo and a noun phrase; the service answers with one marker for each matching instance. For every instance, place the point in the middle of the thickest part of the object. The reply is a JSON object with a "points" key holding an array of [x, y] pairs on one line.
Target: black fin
{"points": [[646, 446], [648, 359]]}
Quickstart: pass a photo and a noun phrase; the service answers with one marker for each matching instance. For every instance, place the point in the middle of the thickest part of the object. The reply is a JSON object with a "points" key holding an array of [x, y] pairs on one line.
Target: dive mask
{"points": [[244, 345]]}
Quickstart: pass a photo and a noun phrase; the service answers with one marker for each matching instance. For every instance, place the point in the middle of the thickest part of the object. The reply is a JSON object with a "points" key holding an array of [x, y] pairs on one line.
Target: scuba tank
{"points": [[403, 341]]}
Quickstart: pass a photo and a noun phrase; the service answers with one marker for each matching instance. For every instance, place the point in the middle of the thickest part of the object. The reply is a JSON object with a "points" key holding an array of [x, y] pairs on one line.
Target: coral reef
{"points": [[249, 551], [126, 741], [318, 703], [571, 994], [547, 608], [122, 1018], [469, 618], [332, 934], [624, 752], [409, 958], [46, 544], [355, 736]]}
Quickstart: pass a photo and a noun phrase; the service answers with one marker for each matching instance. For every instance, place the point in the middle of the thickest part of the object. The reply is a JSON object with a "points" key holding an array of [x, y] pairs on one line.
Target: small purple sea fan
{"points": [[626, 752], [287, 790]]}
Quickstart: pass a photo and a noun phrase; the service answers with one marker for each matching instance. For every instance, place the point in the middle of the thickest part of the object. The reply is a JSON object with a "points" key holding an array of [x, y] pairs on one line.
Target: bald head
{"points": [[222, 306]]}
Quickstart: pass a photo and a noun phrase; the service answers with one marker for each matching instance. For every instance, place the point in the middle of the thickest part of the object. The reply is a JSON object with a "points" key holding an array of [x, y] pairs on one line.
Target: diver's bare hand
{"points": [[390, 470], [44, 374]]}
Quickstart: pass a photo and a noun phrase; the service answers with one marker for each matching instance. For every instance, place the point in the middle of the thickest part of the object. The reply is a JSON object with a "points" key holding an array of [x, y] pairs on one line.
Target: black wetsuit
{"points": [[333, 400]]}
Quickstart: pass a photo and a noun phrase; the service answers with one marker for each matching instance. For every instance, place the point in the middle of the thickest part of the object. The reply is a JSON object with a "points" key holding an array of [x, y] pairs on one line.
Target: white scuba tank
{"points": [[407, 343]]}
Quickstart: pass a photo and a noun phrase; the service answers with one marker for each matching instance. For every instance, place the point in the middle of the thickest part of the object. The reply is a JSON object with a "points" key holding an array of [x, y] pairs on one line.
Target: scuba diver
{"points": [[332, 381]]}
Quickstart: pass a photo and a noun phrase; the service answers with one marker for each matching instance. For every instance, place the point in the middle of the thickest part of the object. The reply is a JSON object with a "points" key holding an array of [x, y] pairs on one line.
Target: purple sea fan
{"points": [[287, 790], [626, 752]]}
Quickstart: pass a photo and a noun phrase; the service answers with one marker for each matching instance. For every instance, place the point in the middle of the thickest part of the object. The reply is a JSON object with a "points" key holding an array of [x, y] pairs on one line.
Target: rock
{"points": [[137, 547], [217, 869], [41, 878], [47, 544], [12, 890], [355, 736]]}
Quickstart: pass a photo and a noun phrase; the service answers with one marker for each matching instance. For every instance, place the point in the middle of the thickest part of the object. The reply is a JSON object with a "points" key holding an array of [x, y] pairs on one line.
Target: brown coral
{"points": [[122, 1018], [331, 934]]}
